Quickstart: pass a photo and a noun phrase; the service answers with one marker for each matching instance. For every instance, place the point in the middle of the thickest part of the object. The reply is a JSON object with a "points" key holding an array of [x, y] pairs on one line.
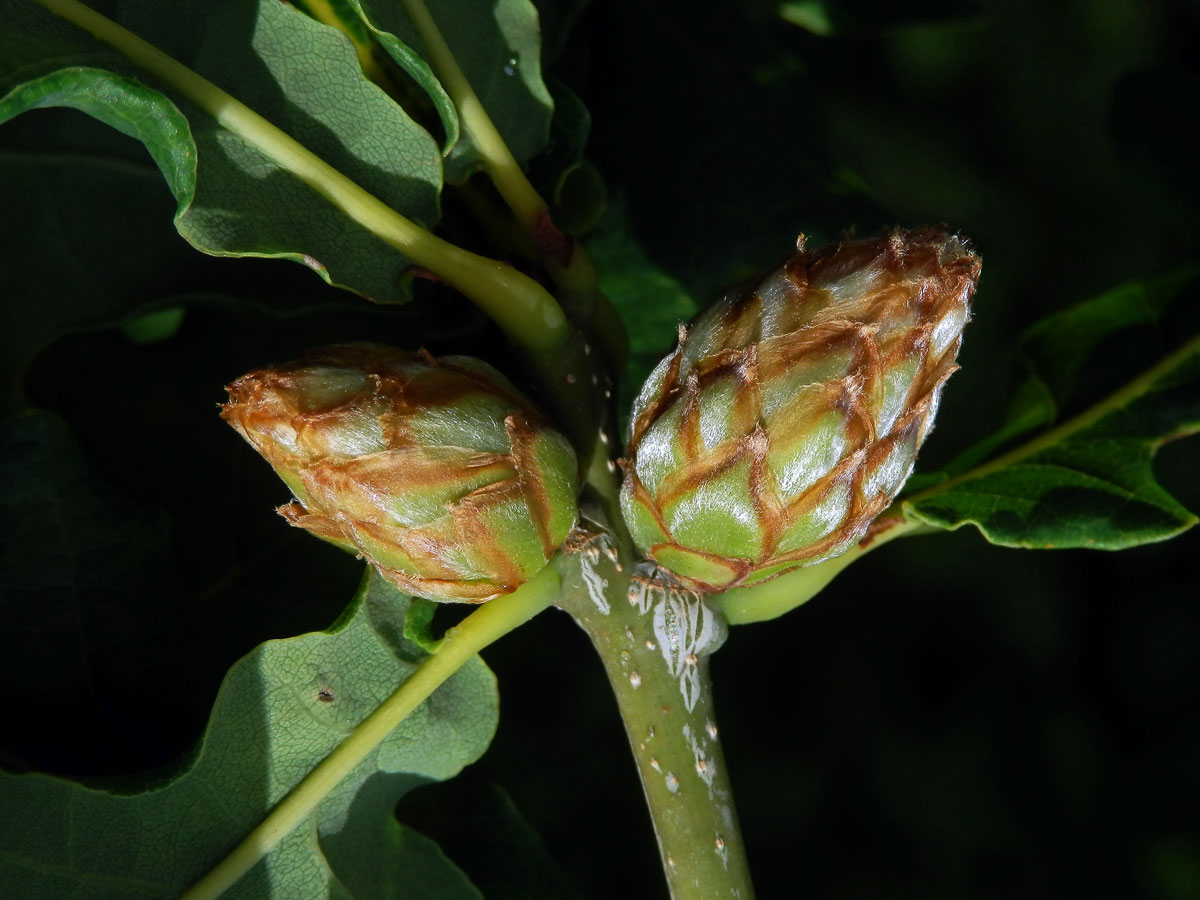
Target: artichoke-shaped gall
{"points": [[790, 414], [437, 472]]}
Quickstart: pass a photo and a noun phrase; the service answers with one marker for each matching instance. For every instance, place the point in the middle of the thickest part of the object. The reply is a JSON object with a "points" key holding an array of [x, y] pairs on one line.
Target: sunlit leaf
{"points": [[498, 48], [232, 199]]}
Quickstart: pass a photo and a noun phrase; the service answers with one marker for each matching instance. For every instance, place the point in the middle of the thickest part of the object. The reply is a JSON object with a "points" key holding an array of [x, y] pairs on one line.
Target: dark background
{"points": [[948, 719]]}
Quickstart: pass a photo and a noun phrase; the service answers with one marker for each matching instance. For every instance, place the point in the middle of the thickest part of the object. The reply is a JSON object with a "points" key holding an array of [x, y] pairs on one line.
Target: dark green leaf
{"points": [[482, 830], [232, 199], [280, 711], [569, 129], [1088, 483], [1052, 352], [651, 301], [86, 590], [356, 19], [1055, 348], [61, 269]]}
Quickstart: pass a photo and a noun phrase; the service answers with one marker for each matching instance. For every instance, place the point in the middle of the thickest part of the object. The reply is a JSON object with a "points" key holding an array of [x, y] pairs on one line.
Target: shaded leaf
{"points": [[1051, 353], [569, 129], [651, 301], [232, 199], [481, 828], [86, 592], [61, 269], [280, 711], [360, 25], [499, 50], [1055, 348], [1088, 483]]}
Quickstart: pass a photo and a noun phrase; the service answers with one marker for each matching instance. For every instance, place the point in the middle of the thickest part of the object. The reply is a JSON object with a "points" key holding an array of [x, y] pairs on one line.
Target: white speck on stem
{"points": [[705, 767], [712, 729], [650, 645], [639, 596], [607, 394], [596, 584], [722, 851], [612, 466], [603, 437], [685, 627], [635, 679], [672, 782], [654, 765]]}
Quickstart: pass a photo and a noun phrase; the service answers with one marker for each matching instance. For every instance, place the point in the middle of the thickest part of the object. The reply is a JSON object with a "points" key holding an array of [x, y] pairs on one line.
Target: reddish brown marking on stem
{"points": [[551, 241]]}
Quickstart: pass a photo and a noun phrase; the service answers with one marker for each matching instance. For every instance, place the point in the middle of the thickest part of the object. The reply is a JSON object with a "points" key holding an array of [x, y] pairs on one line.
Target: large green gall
{"points": [[436, 471], [790, 414]]}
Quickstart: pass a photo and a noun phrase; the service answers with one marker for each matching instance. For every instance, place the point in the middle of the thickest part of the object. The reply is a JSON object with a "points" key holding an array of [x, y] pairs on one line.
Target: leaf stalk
{"points": [[488, 623], [518, 304]]}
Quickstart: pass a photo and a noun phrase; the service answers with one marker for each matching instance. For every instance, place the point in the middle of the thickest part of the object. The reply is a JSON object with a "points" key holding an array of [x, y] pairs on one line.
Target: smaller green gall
{"points": [[436, 471], [790, 414]]}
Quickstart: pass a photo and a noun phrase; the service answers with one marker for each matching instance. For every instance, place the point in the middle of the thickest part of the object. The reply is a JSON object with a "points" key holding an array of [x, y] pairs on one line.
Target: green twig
{"points": [[488, 623], [564, 258], [498, 161]]}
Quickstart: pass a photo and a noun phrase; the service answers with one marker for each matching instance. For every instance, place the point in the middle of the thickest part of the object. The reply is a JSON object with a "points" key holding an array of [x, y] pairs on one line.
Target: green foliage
{"points": [[280, 710], [500, 55], [229, 194], [1088, 483], [996, 710]]}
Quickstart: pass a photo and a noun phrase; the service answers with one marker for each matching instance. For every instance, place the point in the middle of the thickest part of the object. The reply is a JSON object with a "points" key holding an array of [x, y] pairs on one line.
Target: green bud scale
{"points": [[790, 415], [437, 472]]}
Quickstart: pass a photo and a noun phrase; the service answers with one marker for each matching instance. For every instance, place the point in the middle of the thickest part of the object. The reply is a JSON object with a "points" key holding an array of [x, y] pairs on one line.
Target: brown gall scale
{"points": [[790, 414], [437, 472]]}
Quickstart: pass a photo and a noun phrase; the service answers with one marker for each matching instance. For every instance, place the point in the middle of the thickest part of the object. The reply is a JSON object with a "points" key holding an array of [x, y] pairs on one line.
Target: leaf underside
{"points": [[279, 712]]}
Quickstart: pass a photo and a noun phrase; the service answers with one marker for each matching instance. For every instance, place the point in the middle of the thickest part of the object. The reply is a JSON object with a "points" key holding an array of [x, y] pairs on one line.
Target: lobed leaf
{"points": [[1087, 483], [279, 712], [651, 301], [1052, 352], [232, 200]]}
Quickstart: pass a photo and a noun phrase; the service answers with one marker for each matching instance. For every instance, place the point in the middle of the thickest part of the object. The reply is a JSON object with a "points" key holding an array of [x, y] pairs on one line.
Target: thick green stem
{"points": [[655, 645], [490, 622]]}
